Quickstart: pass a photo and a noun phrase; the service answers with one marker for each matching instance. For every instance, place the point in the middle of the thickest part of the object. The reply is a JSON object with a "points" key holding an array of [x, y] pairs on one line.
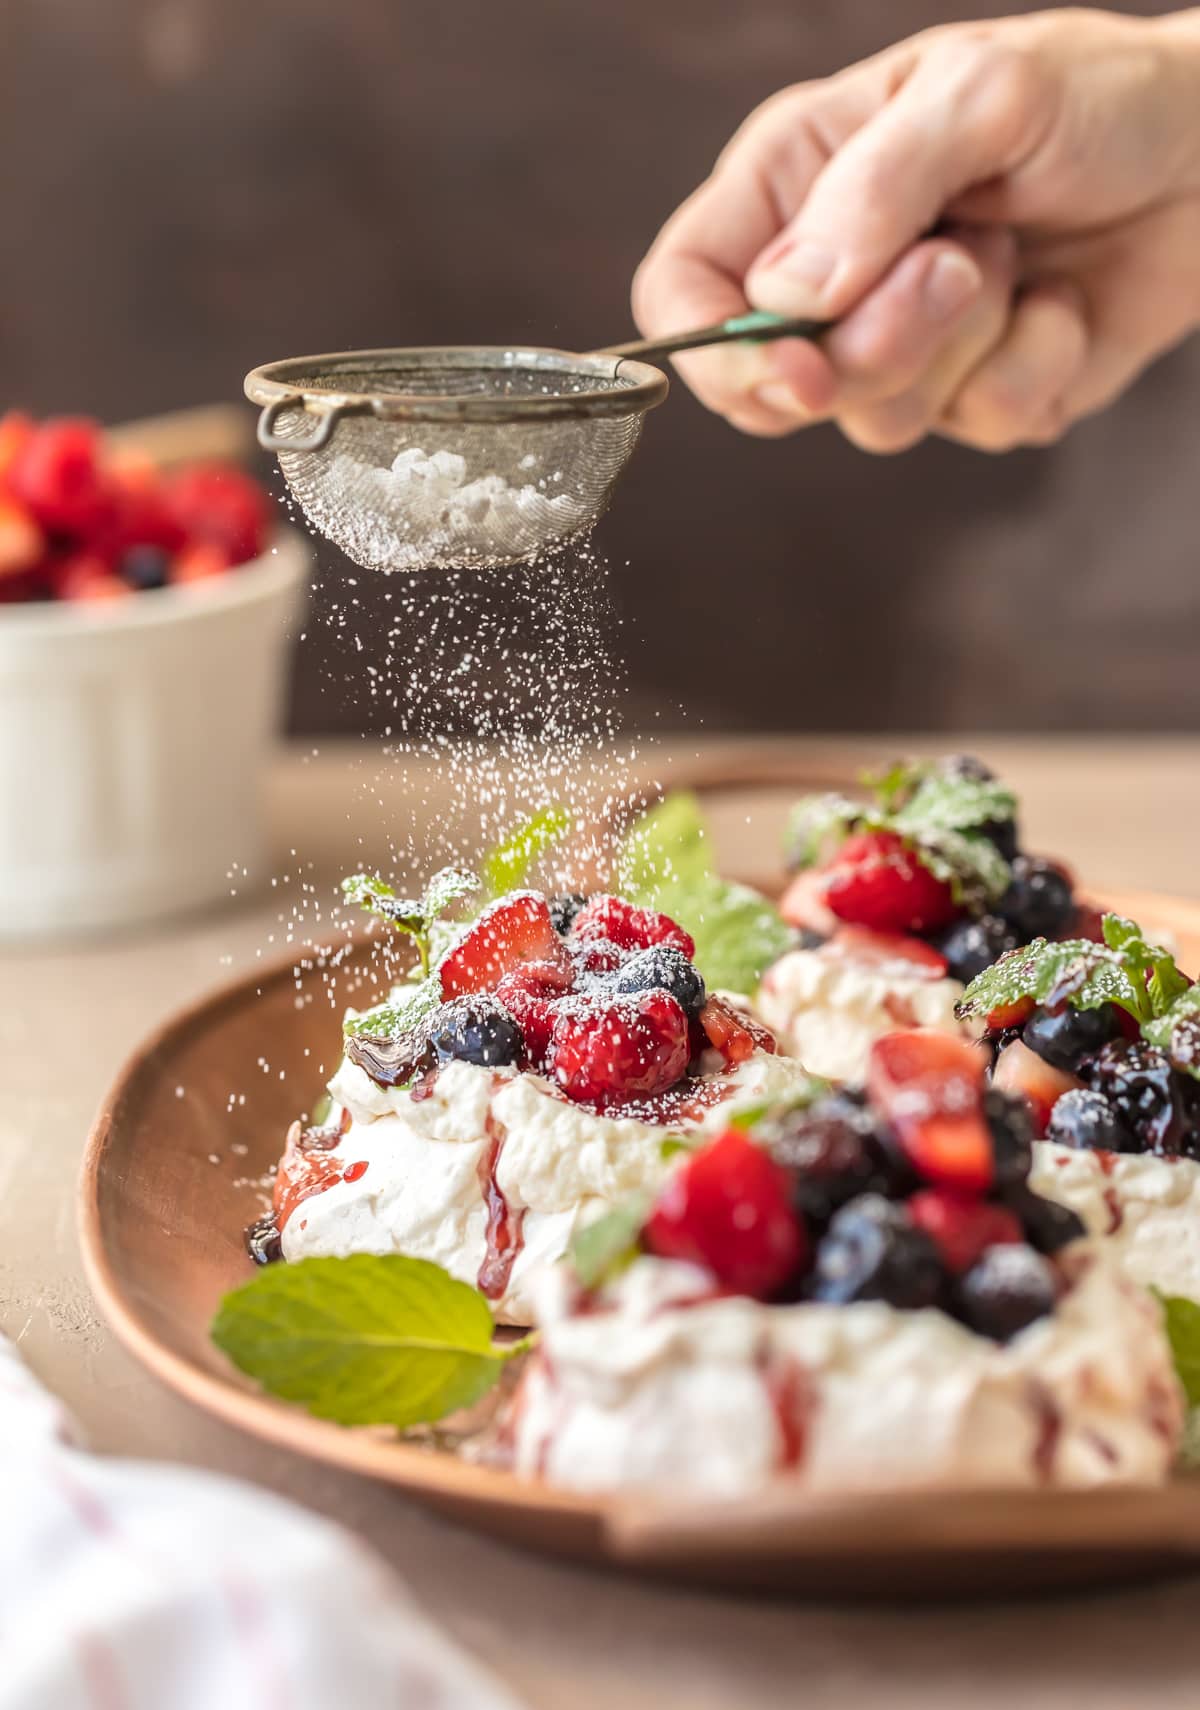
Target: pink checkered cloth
{"points": [[129, 1586]]}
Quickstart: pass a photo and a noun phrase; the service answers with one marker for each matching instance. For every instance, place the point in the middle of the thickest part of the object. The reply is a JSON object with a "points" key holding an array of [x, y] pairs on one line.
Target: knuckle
{"points": [[995, 82], [884, 433]]}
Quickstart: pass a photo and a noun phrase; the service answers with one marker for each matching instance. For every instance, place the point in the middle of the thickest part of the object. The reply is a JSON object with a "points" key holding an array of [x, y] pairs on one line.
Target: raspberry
{"points": [[1020, 1070], [533, 1003], [514, 930], [733, 1033], [59, 476], [219, 506], [140, 513], [16, 431], [22, 543], [623, 1050], [930, 1088], [728, 1208], [874, 880], [960, 1228], [629, 927]]}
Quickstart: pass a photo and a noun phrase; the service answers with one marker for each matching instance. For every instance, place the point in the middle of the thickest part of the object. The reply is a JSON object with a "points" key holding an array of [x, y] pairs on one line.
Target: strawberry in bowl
{"points": [[542, 1068], [859, 1289], [1101, 1041], [900, 900]]}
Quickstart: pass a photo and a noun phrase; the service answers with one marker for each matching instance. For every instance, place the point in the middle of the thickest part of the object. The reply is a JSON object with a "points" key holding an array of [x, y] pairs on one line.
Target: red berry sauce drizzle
{"points": [[504, 1232], [792, 1398]]}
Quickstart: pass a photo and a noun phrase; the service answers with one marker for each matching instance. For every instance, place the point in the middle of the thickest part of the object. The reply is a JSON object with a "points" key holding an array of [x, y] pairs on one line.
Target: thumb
{"points": [[969, 112]]}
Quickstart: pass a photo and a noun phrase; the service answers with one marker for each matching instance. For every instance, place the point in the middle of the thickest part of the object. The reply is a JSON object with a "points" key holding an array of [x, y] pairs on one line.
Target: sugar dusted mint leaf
{"points": [[953, 801], [817, 823], [603, 1248], [507, 867], [1177, 1031], [1073, 971], [896, 784], [374, 896], [1164, 983], [444, 888], [367, 1340], [973, 867], [403, 1012], [1181, 1320]]}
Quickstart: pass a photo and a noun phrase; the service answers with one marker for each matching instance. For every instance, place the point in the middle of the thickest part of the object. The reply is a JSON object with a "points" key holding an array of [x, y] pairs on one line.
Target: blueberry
{"points": [[663, 967], [1047, 1226], [1150, 1097], [1006, 1289], [871, 1251], [1085, 1119], [563, 910], [1063, 1038], [970, 946], [1039, 901], [476, 1029], [1012, 1136], [831, 1154], [145, 567], [263, 1241]]}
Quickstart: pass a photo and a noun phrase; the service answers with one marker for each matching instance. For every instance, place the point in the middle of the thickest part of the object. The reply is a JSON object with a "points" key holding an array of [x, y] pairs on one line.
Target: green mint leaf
{"points": [[1156, 966], [406, 914], [403, 1012], [1181, 1320], [603, 1248], [947, 801], [444, 888], [1177, 1031], [973, 867], [1073, 971], [672, 1146], [895, 785], [507, 867], [817, 823], [367, 1340], [664, 864]]}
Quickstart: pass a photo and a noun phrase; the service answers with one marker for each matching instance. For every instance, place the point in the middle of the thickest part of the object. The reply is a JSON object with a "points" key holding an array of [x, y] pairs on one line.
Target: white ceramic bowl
{"points": [[133, 739]]}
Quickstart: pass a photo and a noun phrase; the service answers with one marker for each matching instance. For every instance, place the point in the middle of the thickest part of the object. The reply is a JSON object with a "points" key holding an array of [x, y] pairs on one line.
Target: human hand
{"points": [[1055, 159]]}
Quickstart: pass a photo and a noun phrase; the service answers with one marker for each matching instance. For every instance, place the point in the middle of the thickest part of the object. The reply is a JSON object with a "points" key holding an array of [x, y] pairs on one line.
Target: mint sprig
{"points": [[1126, 969], [368, 1340], [665, 863], [403, 1012], [1181, 1321], [415, 917], [941, 815], [1177, 1031], [508, 865]]}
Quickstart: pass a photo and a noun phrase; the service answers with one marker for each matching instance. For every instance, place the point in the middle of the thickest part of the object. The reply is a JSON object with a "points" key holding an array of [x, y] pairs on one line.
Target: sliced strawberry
{"points": [[803, 903], [733, 1033], [532, 999], [962, 1228], [628, 927], [516, 929], [620, 1050], [889, 949], [1020, 1070], [930, 1088], [1014, 1014], [874, 880], [728, 1208]]}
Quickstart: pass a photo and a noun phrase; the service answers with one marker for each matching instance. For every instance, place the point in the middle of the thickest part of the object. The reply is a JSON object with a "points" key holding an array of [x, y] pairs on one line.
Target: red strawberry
{"points": [[929, 1086], [733, 1033], [803, 903], [874, 880], [619, 1051], [1020, 1070], [59, 475], [87, 576], [962, 1228], [198, 563], [884, 949], [514, 930], [1014, 1014], [140, 514], [728, 1208], [22, 543], [16, 431], [219, 505], [628, 927], [532, 1001]]}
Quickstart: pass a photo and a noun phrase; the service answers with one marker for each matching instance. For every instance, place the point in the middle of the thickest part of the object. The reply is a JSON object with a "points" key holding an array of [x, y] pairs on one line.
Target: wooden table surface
{"points": [[1126, 813]]}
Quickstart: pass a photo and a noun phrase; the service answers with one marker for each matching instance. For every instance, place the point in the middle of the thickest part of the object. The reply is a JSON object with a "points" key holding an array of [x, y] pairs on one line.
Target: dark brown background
{"points": [[195, 186]]}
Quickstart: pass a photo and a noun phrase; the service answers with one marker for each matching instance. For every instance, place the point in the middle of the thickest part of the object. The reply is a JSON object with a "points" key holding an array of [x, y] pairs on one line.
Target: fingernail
{"points": [[804, 263], [777, 395], [951, 283]]}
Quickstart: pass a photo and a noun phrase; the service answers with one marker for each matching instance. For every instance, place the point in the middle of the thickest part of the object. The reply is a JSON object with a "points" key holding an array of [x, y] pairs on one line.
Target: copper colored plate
{"points": [[162, 1240]]}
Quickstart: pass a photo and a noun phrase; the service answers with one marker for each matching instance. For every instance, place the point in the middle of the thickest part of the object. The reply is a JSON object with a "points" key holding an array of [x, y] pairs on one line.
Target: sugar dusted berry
{"points": [[973, 944], [1006, 1290], [1012, 1136], [1040, 900], [533, 1003], [632, 928], [1150, 1097], [477, 1029], [1085, 1120], [873, 1251], [1064, 1037], [876, 880], [514, 930], [727, 1207], [619, 1050], [930, 1088], [832, 1154], [668, 969], [564, 908], [962, 1228]]}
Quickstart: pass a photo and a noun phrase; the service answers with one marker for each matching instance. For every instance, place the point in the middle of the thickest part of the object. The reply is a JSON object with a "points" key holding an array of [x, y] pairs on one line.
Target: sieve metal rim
{"points": [[277, 386]]}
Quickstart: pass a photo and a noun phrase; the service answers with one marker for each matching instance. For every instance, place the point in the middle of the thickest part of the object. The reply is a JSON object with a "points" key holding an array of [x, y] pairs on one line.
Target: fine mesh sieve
{"points": [[488, 455]]}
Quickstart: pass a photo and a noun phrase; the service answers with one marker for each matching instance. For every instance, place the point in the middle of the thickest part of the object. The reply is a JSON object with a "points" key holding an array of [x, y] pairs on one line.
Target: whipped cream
{"points": [[1147, 1208], [828, 1007], [431, 1166], [661, 1386]]}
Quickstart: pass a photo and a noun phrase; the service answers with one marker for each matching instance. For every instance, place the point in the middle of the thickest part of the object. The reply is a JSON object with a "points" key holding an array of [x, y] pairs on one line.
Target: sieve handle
{"points": [[327, 420], [757, 326]]}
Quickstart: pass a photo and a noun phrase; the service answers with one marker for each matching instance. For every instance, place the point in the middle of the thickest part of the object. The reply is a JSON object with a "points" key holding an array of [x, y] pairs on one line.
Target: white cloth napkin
{"points": [[129, 1586]]}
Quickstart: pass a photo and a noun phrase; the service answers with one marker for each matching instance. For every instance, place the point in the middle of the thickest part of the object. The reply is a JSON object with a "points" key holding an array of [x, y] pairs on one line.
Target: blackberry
{"points": [[1047, 1225], [1039, 902], [667, 969], [1005, 1290], [872, 1251], [832, 1154], [476, 1029], [1012, 1136], [563, 909], [971, 945], [1085, 1120], [1063, 1038], [1148, 1095], [1003, 834]]}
